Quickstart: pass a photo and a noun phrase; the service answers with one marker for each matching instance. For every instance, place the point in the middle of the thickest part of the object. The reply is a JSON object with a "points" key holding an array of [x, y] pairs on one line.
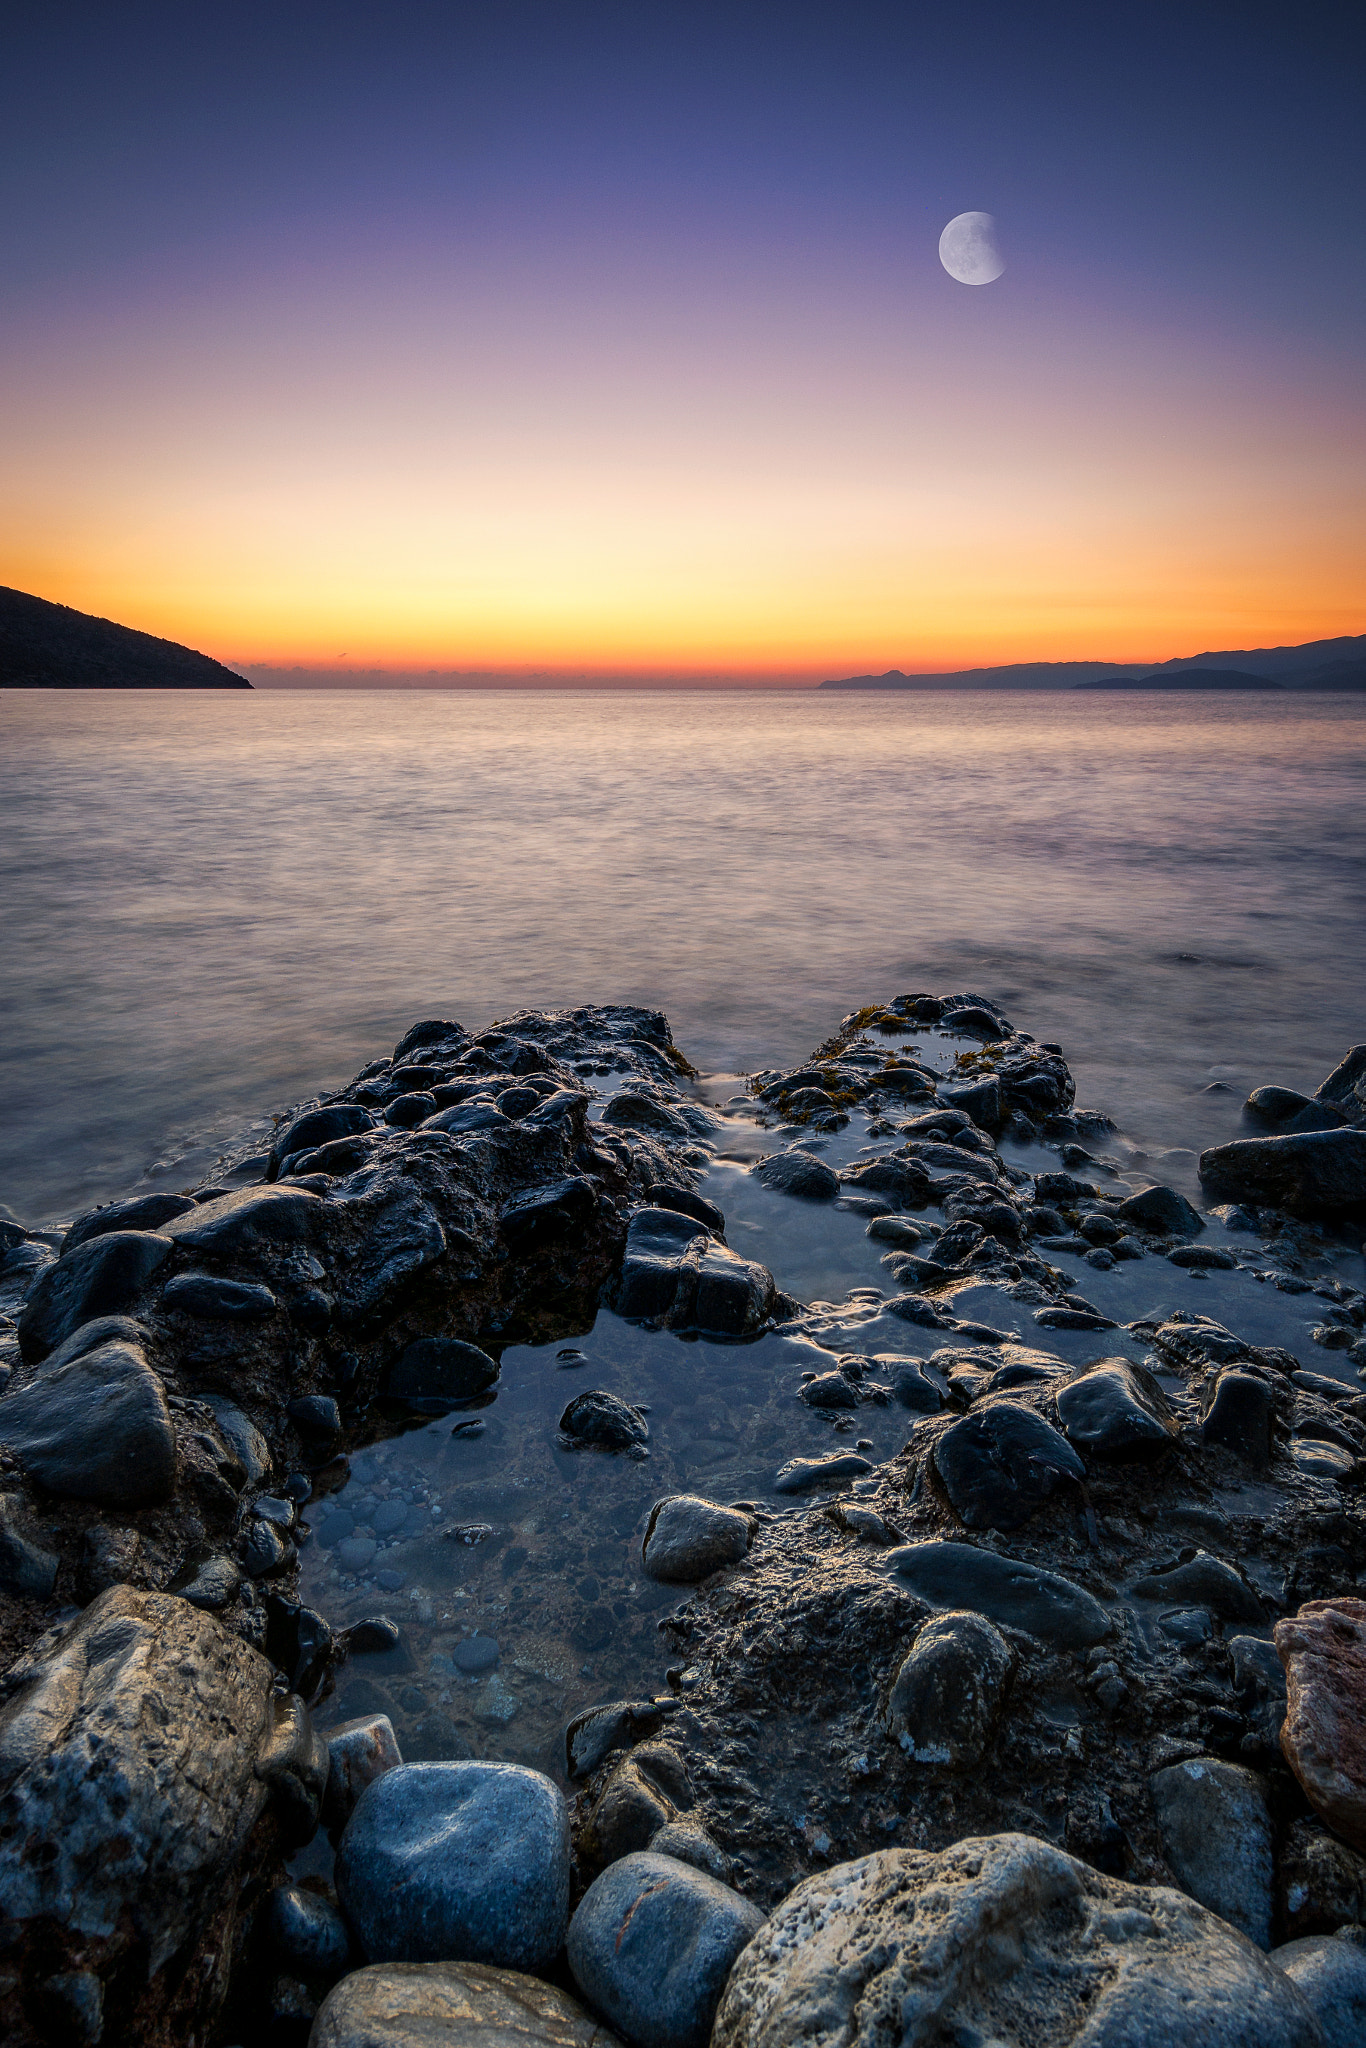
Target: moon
{"points": [[968, 251]]}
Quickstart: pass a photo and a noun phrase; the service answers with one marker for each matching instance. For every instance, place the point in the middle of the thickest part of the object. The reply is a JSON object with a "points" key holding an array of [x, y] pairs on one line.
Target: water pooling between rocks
{"points": [[859, 1300]]}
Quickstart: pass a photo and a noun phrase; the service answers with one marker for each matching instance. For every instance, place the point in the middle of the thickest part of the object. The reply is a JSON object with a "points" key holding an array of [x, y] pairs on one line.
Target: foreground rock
{"points": [[458, 1860], [651, 1947], [137, 1759], [459, 2005], [1324, 1738], [1001, 1939], [1329, 1972], [687, 1539]]}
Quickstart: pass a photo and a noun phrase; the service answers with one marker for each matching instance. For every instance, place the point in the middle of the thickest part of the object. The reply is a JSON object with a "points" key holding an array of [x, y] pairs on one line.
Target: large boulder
{"points": [[1310, 1173], [1323, 1649], [1001, 1939], [99, 1278], [651, 1947], [452, 2005], [465, 1861], [94, 1426], [138, 1751]]}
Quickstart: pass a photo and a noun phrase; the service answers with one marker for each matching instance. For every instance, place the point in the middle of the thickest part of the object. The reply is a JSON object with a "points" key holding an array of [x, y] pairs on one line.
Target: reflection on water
{"points": [[212, 906]]}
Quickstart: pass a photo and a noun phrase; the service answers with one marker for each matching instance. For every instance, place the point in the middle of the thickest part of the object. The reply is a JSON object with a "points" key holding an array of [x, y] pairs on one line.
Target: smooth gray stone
{"points": [[241, 1436], [688, 1842], [26, 1568], [97, 1428], [1329, 1972], [308, 1932], [1203, 1258], [458, 1859], [1002, 1940], [1007, 1591], [240, 1224], [731, 1296], [212, 1297], [656, 1240], [475, 1654], [947, 1696], [1160, 1210], [800, 1473], [452, 2005], [1116, 1410], [1311, 1173], [1215, 1823], [441, 1369], [1204, 1581], [139, 1212], [98, 1279], [798, 1173], [652, 1944], [688, 1539]]}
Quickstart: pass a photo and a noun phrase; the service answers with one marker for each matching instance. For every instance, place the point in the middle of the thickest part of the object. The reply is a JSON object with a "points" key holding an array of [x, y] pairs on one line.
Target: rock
{"points": [[1002, 1463], [475, 1654], [688, 1539], [980, 1100], [452, 2005], [376, 1634], [1276, 1105], [139, 1212], [298, 1643], [208, 1295], [242, 1437], [903, 1181], [440, 1371], [318, 1127], [1329, 1972], [138, 1750], [1007, 1591], [647, 1791], [656, 1240], [1204, 1581], [601, 1419], [242, 1224], [800, 1473], [27, 1570], [468, 1859], [947, 1697], [591, 1737], [798, 1173], [724, 1295], [1203, 1258], [316, 1417], [1238, 1414], [686, 1842], [550, 1213], [307, 1932], [830, 1390], [914, 1387], [652, 1944], [99, 1278], [1323, 1649], [1215, 1823], [209, 1580], [1117, 1411], [894, 1230], [1160, 1210], [1001, 1939], [1313, 1173], [358, 1752], [664, 1195], [95, 1427], [406, 1112], [1073, 1319], [634, 1112]]}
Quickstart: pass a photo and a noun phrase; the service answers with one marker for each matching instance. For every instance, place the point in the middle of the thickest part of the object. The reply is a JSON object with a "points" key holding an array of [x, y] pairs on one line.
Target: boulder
{"points": [[318, 1127], [1117, 1411], [1204, 1581], [95, 1427], [947, 1697], [438, 1371], [1161, 1211], [242, 1224], [798, 1173], [99, 1278], [656, 1240], [1310, 1173], [138, 1751], [604, 1421], [689, 1538], [457, 1860], [214, 1298], [1001, 1939], [1002, 1463], [1329, 1972], [1009, 1592], [139, 1212], [1323, 1649], [1215, 1822], [652, 1944], [452, 2005]]}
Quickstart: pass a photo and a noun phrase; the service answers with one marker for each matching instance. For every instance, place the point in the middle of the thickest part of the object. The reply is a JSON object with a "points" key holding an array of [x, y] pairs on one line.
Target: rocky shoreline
{"points": [[968, 1719]]}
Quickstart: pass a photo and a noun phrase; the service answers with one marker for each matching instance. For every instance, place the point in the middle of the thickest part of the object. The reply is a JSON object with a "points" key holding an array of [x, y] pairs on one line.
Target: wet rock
{"points": [[440, 1371], [467, 1858], [242, 1438], [459, 2005], [902, 1180], [1314, 1173], [1276, 1105], [664, 1195], [298, 1643], [798, 1474], [475, 1655], [1001, 1938], [894, 1230], [723, 1294], [1073, 1319], [406, 1112], [863, 1523], [980, 1100], [1329, 1972], [243, 1224], [318, 1127], [95, 1427], [210, 1296], [1002, 1463], [605, 1421], [591, 1737], [27, 1569], [1204, 1581], [1117, 1411], [656, 1240], [1161, 1211], [265, 1550], [100, 1278], [1323, 1648], [915, 1387], [1009, 1592], [308, 1933], [646, 1791], [947, 1697], [1323, 1882], [376, 1634], [208, 1580], [800, 1174], [830, 1390], [1259, 1681], [1238, 1412], [316, 1417], [634, 1112], [559, 1211], [686, 1842], [139, 1212], [1215, 1823], [359, 1751], [138, 1751], [688, 1539], [651, 1947]]}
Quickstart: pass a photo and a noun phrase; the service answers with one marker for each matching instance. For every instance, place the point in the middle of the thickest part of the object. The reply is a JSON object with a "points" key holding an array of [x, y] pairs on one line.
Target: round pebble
{"points": [[355, 1552], [476, 1653]]}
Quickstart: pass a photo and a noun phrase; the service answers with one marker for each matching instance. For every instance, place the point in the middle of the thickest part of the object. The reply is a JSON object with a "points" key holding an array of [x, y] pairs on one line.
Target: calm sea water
{"points": [[211, 906]]}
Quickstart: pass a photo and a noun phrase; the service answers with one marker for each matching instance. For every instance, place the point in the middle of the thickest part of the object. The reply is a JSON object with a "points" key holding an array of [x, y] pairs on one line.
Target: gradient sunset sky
{"points": [[596, 339]]}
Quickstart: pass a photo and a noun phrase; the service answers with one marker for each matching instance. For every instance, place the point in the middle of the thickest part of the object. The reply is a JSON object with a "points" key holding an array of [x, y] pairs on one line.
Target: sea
{"points": [[213, 906]]}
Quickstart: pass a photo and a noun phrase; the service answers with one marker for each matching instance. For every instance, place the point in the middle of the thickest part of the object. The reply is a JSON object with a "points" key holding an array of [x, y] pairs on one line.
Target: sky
{"points": [[579, 340]]}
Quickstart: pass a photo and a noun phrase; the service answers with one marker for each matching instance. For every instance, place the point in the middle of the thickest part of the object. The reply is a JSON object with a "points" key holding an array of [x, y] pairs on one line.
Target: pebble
{"points": [[475, 1654], [688, 1539], [440, 1370]]}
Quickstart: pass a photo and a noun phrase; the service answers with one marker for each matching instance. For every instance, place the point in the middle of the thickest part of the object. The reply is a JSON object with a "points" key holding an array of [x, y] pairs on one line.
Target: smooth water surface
{"points": [[211, 906]]}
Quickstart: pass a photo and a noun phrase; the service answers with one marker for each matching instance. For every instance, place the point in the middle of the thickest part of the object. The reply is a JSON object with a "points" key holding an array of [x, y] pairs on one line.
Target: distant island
{"points": [[1317, 665], [51, 647]]}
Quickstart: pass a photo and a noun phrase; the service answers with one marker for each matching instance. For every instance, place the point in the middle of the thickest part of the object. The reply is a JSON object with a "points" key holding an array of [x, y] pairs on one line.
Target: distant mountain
{"points": [[1187, 679], [51, 647], [1317, 665]]}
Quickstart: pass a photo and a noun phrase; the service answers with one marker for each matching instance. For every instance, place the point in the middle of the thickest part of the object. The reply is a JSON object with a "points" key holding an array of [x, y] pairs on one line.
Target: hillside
{"points": [[1317, 665], [51, 647]]}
